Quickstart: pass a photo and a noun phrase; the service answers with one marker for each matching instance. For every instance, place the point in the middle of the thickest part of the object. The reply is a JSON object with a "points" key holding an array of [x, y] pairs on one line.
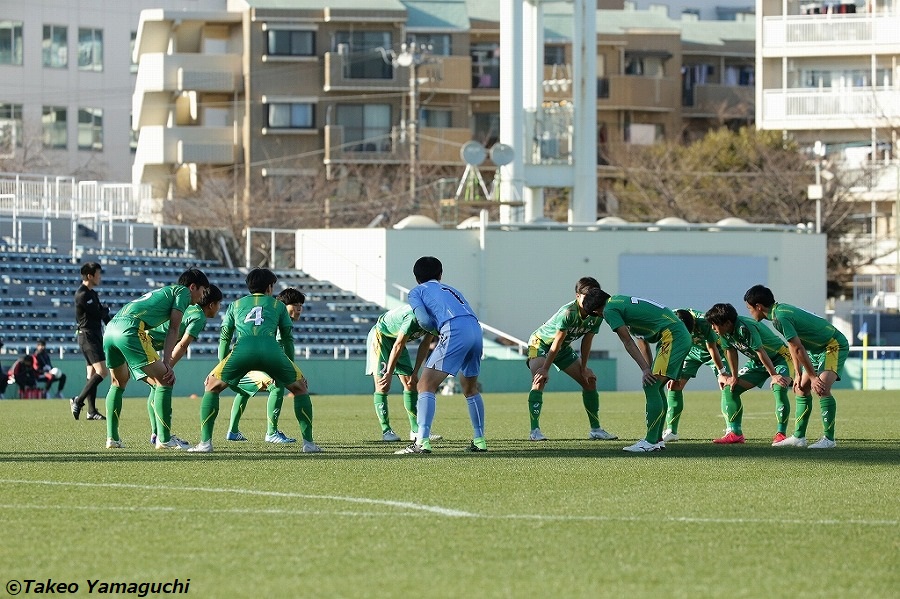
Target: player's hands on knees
{"points": [[590, 377], [541, 376], [168, 379], [819, 387], [647, 377]]}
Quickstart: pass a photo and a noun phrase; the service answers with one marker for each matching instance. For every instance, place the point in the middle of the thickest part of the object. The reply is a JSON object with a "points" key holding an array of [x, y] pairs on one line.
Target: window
{"points": [[90, 49], [53, 124], [11, 42], [90, 128], [439, 43], [285, 42], [133, 135], [436, 118], [485, 66], [487, 128], [12, 113], [367, 127], [291, 116], [134, 65], [55, 48], [362, 60], [554, 55]]}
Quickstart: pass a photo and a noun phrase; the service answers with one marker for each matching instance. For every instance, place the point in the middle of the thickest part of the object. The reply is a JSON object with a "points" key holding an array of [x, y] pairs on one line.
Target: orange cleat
{"points": [[730, 438]]}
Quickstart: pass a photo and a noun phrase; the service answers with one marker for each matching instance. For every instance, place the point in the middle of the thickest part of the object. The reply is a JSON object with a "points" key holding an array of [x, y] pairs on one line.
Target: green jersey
{"points": [[815, 333], [400, 321], [155, 307], [568, 319], [193, 322], [256, 316], [644, 317], [703, 332], [750, 336]]}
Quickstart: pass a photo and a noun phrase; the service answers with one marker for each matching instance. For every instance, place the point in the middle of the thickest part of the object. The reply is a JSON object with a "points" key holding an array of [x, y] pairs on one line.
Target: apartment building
{"points": [[68, 77], [829, 76]]}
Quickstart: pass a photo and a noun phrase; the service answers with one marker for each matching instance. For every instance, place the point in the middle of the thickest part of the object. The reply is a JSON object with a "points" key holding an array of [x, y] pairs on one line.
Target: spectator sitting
{"points": [[4, 378], [43, 366]]}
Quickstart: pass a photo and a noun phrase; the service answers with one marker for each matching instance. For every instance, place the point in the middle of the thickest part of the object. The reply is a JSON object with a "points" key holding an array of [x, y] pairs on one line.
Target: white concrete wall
{"points": [[522, 277]]}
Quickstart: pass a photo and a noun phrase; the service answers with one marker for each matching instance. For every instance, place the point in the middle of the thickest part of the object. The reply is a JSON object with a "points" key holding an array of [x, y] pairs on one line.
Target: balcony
{"points": [[840, 108], [355, 71], [438, 146], [713, 101], [830, 35], [445, 74], [634, 92]]}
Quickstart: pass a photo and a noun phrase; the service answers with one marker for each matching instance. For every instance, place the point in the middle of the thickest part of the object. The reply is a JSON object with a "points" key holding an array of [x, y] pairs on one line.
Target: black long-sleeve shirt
{"points": [[89, 312]]}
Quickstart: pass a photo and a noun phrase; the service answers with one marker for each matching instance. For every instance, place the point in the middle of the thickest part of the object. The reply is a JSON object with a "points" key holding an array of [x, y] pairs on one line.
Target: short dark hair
{"points": [[759, 294], [193, 276], [687, 318], [213, 294], [428, 268], [586, 283], [41, 342], [259, 279], [291, 296], [593, 299], [720, 314], [603, 298], [90, 268]]}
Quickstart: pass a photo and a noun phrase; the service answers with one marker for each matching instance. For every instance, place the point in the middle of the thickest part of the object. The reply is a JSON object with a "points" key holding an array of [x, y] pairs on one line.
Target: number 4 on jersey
{"points": [[255, 316]]}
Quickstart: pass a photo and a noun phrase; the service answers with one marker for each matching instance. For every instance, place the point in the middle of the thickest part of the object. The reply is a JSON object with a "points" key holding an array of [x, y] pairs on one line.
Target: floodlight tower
{"points": [[521, 99]]}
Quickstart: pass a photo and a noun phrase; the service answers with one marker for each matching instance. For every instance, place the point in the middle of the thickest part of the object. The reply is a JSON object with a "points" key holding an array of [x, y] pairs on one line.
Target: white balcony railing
{"points": [[838, 32], [864, 106]]}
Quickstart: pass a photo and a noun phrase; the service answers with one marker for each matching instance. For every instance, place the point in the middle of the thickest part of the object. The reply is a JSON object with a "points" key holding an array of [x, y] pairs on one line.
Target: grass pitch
{"points": [[563, 518]]}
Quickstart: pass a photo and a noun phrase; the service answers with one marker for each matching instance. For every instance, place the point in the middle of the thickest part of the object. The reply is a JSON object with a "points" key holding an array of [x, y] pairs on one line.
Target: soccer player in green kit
{"points": [[769, 357], [703, 351], [651, 323], [551, 344], [254, 320], [192, 324], [128, 347], [386, 354], [256, 381], [818, 351]]}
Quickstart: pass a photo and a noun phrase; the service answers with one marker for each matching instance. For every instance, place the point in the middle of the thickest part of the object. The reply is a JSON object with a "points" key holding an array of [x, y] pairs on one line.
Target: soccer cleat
{"points": [[113, 444], [660, 445], [791, 441], [642, 446], [238, 436], [173, 443], [778, 438], [279, 437], [390, 435], [310, 447], [201, 447], [601, 435], [95, 416], [75, 407], [669, 436], [414, 436], [536, 435], [412, 448], [477, 446], [730, 438], [824, 443], [153, 439]]}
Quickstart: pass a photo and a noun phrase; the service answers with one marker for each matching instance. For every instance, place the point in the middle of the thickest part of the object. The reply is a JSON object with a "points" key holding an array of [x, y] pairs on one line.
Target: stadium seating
{"points": [[38, 283]]}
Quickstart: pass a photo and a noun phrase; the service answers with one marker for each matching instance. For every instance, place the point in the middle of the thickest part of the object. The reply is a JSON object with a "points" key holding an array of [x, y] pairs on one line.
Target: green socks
{"points": [[411, 403], [113, 410], [162, 408], [273, 408], [804, 407], [656, 411], [782, 407], [591, 401], [150, 411], [303, 410], [535, 405], [237, 410], [209, 409], [829, 411], [675, 403], [381, 411], [732, 409]]}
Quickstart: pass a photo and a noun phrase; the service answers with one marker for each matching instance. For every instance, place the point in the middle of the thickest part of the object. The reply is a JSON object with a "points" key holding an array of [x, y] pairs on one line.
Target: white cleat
{"points": [[201, 447], [791, 441], [390, 435], [602, 435], [310, 447], [642, 446], [432, 437], [669, 436], [537, 435], [824, 443]]}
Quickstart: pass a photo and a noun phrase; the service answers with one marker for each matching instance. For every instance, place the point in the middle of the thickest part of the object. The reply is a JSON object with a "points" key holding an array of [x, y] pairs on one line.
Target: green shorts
{"points": [[125, 341], [671, 350], [252, 383], [257, 353], [696, 358], [756, 374], [378, 352], [832, 359], [564, 358]]}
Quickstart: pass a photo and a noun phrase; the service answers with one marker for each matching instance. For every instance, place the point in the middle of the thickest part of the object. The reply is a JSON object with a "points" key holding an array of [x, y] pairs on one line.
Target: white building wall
{"points": [[522, 277]]}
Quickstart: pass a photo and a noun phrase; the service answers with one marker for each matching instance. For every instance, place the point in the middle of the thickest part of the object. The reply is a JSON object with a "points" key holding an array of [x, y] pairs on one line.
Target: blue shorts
{"points": [[459, 347]]}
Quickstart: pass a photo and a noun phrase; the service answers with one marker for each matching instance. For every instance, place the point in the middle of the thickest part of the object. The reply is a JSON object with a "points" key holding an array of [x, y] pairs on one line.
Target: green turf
{"points": [[563, 518]]}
